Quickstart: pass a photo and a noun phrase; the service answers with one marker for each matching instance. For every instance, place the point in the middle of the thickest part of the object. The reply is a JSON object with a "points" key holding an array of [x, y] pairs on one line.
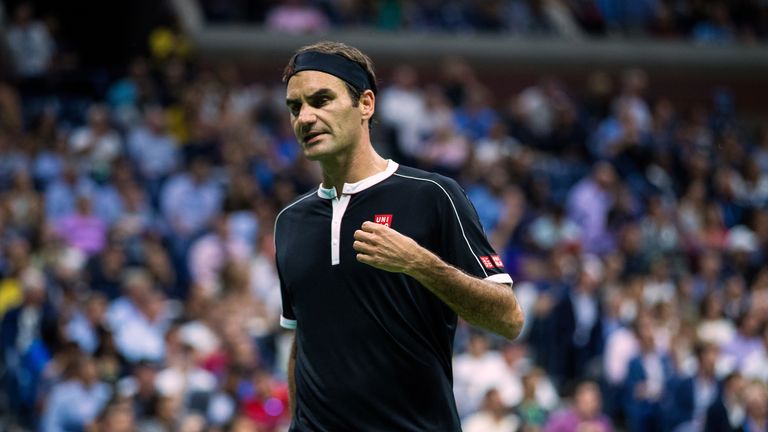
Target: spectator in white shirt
{"points": [[97, 144], [30, 42], [76, 403], [477, 371], [493, 417]]}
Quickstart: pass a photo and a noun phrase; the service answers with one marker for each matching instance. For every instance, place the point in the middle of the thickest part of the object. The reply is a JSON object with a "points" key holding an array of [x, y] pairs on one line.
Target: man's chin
{"points": [[314, 153]]}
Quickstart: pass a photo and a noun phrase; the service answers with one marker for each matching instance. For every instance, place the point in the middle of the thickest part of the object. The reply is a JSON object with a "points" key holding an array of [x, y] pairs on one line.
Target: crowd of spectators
{"points": [[704, 21], [137, 282]]}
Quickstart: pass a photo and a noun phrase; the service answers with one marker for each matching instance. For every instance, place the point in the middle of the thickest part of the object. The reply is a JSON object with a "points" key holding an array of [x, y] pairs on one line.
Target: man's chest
{"points": [[318, 242]]}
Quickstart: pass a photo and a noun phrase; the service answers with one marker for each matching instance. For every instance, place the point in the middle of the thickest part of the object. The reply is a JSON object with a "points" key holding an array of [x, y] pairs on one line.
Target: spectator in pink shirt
{"points": [[83, 230], [586, 414]]}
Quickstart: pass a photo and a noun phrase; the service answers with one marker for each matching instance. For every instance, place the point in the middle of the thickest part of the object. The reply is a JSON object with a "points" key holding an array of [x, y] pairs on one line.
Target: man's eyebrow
{"points": [[319, 93]]}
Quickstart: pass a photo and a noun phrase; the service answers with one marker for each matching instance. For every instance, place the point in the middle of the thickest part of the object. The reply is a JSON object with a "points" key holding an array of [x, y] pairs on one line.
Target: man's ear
{"points": [[367, 104]]}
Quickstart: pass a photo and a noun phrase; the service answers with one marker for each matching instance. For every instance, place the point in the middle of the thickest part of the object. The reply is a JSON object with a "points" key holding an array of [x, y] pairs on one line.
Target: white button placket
{"points": [[339, 207]]}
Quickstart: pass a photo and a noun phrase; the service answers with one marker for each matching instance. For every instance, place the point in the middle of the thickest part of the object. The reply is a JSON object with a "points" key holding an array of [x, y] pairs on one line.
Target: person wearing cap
{"points": [[375, 265]]}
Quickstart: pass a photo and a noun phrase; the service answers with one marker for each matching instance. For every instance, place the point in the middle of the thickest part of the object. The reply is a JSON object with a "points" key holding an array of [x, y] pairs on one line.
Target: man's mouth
{"points": [[313, 137]]}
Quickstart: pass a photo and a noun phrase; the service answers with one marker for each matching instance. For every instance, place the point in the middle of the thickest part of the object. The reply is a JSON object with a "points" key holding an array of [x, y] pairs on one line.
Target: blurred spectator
{"points": [[755, 366], [61, 194], [264, 279], [153, 149], [577, 325], [647, 380], [476, 372], [584, 415], [714, 326], [141, 335], [756, 403], [745, 342], [726, 414], [716, 27], [402, 107], [75, 404], [30, 42], [117, 417], [532, 414], [493, 417], [190, 199], [85, 326], [693, 395], [267, 406], [296, 16], [128, 94], [96, 144], [475, 117], [28, 334], [589, 203], [212, 253], [23, 205], [83, 230], [446, 151]]}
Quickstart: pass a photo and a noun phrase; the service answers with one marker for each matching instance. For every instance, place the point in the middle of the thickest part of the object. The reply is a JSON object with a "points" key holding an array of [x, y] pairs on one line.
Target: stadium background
{"points": [[616, 152]]}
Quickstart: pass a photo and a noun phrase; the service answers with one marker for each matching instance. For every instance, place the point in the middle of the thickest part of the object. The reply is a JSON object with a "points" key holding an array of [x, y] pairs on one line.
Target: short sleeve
{"points": [[287, 317], [464, 242]]}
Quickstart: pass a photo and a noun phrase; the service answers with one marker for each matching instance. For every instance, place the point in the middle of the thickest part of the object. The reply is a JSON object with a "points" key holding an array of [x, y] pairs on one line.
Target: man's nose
{"points": [[306, 115]]}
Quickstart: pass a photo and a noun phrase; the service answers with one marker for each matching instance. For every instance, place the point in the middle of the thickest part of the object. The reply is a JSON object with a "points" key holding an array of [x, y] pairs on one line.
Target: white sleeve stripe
{"points": [[456, 212], [287, 323], [502, 278]]}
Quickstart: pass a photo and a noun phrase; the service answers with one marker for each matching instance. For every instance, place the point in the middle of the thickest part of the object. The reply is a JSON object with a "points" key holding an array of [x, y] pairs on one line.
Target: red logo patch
{"points": [[497, 261], [383, 219], [486, 262]]}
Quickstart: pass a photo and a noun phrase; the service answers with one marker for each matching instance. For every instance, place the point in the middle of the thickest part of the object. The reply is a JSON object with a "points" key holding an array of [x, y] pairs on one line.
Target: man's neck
{"points": [[351, 168]]}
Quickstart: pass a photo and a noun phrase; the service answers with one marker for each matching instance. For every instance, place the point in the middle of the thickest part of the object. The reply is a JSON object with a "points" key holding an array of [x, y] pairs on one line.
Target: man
{"points": [[648, 376], [693, 395], [375, 265]]}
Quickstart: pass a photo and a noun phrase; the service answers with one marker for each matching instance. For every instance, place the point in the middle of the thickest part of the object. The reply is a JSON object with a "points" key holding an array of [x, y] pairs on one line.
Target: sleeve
{"points": [[464, 243], [287, 317]]}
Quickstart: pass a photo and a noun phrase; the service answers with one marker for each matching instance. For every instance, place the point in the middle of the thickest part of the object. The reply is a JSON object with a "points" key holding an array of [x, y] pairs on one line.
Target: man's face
{"points": [[322, 115]]}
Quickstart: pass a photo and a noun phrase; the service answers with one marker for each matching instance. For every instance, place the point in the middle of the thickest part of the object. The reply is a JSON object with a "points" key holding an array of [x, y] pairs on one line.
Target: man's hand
{"points": [[386, 249]]}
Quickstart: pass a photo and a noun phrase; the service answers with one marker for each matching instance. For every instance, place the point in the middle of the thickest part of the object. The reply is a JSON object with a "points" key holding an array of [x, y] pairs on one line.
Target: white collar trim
{"points": [[353, 188]]}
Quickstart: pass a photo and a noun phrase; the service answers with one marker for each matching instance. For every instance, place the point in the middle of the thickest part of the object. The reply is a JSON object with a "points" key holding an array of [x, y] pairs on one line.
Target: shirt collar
{"points": [[353, 188]]}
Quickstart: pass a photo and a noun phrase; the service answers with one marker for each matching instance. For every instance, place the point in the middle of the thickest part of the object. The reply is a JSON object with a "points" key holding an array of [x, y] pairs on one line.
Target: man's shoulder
{"points": [[298, 204], [430, 179]]}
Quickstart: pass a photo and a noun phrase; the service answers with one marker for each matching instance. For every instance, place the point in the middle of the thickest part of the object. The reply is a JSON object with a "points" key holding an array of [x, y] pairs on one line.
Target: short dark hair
{"points": [[344, 50]]}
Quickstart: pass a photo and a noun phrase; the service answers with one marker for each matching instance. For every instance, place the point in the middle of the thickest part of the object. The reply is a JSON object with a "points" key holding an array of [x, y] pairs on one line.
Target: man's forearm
{"points": [[483, 303]]}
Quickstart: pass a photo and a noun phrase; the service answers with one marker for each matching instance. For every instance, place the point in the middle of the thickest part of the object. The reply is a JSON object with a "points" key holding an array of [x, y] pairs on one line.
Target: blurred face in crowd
{"points": [[478, 345], [98, 118], [605, 176], [645, 333], [756, 400], [587, 400], [323, 116], [708, 359], [493, 403], [119, 418], [88, 371]]}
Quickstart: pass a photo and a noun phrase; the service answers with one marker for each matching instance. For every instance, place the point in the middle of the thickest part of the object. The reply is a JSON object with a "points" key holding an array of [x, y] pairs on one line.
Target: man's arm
{"points": [[483, 303], [292, 377]]}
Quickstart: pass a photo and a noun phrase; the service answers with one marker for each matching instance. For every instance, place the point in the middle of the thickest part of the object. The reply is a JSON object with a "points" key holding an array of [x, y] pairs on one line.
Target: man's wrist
{"points": [[422, 262]]}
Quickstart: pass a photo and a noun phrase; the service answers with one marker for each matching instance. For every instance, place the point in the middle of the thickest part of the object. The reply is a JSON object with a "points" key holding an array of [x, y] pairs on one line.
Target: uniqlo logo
{"points": [[383, 219], [486, 262], [497, 261]]}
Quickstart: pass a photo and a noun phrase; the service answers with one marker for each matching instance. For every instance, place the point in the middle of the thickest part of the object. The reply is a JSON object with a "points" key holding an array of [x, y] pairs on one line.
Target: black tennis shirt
{"points": [[373, 347]]}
